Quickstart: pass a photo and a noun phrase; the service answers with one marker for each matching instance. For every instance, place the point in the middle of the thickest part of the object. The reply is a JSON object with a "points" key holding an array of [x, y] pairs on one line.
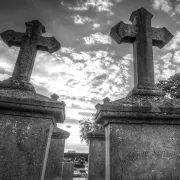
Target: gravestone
{"points": [[56, 154], [68, 171], [143, 37], [29, 42], [142, 130], [26, 118], [96, 160]]}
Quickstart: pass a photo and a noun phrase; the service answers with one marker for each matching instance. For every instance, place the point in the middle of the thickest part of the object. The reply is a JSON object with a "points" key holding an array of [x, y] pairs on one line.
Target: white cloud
{"points": [[99, 5], [167, 73], [81, 20], [164, 5], [177, 9], [95, 26], [119, 1], [128, 57], [66, 49], [81, 56], [174, 43], [176, 57], [167, 57], [97, 38]]}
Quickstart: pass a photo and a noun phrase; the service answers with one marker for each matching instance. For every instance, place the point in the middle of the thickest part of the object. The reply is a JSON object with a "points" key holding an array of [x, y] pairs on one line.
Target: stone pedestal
{"points": [[68, 171], [142, 138], [56, 155], [96, 158], [26, 125]]}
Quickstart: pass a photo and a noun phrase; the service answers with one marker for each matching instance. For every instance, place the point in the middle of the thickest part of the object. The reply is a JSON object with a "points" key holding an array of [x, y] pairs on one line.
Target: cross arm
{"points": [[122, 32], [49, 44], [160, 37], [12, 38]]}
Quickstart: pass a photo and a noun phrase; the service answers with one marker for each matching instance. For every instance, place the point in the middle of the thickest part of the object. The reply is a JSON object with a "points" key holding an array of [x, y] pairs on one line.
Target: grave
{"points": [[68, 170], [56, 151], [142, 130], [26, 118], [96, 160], [56, 154]]}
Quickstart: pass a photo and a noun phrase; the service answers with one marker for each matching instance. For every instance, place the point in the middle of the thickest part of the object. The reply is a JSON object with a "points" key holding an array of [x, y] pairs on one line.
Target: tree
{"points": [[87, 125], [171, 86]]}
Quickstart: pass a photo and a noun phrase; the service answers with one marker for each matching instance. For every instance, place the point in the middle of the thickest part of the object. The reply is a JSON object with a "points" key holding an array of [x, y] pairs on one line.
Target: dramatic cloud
{"points": [[97, 38], [164, 5], [99, 5], [89, 66], [171, 7], [95, 26], [176, 57], [81, 20], [174, 43]]}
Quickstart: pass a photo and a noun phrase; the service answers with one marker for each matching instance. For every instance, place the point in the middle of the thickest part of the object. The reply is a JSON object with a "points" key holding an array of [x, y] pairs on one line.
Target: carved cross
{"points": [[143, 37], [29, 42]]}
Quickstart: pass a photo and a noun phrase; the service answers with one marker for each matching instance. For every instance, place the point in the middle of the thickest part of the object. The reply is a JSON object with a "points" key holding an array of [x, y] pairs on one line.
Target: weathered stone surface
{"points": [[140, 109], [29, 42], [143, 37], [55, 96], [96, 158], [56, 155], [142, 151], [141, 130], [23, 146], [26, 124], [142, 137], [68, 170]]}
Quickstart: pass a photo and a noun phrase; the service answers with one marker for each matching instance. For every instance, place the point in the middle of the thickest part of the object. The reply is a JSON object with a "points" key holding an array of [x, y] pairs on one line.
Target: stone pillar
{"points": [[142, 138], [26, 125], [96, 158], [68, 171], [56, 155]]}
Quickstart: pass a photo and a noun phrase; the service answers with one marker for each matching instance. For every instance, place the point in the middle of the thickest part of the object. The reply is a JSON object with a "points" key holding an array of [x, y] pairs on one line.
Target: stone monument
{"points": [[142, 130], [56, 152], [26, 118], [68, 170], [29, 42], [96, 160]]}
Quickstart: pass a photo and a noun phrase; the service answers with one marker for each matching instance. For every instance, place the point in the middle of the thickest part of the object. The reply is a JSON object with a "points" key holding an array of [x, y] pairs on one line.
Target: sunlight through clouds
{"points": [[81, 20], [90, 65], [99, 5], [97, 38]]}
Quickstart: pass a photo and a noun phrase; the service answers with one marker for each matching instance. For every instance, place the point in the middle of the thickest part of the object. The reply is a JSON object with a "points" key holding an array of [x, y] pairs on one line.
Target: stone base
{"points": [[96, 158], [26, 124], [56, 154], [142, 152], [68, 171], [11, 83], [23, 146], [146, 92]]}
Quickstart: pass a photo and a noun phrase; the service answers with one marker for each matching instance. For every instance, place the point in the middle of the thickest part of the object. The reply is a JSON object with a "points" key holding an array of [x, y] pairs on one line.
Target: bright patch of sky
{"points": [[90, 65]]}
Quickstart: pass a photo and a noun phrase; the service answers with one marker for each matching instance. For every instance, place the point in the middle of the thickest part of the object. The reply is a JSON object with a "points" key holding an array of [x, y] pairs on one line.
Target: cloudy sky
{"points": [[90, 65]]}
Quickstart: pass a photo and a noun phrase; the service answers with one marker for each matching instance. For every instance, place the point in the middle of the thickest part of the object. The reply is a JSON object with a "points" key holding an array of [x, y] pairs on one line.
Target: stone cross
{"points": [[29, 42], [143, 37]]}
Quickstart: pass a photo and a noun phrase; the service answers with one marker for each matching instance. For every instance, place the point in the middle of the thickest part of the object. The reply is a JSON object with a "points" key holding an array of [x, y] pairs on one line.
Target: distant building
{"points": [[71, 151], [72, 155]]}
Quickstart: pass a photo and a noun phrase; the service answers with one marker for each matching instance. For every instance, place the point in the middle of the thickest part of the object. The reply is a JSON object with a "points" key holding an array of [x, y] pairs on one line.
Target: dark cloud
{"points": [[3, 71]]}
